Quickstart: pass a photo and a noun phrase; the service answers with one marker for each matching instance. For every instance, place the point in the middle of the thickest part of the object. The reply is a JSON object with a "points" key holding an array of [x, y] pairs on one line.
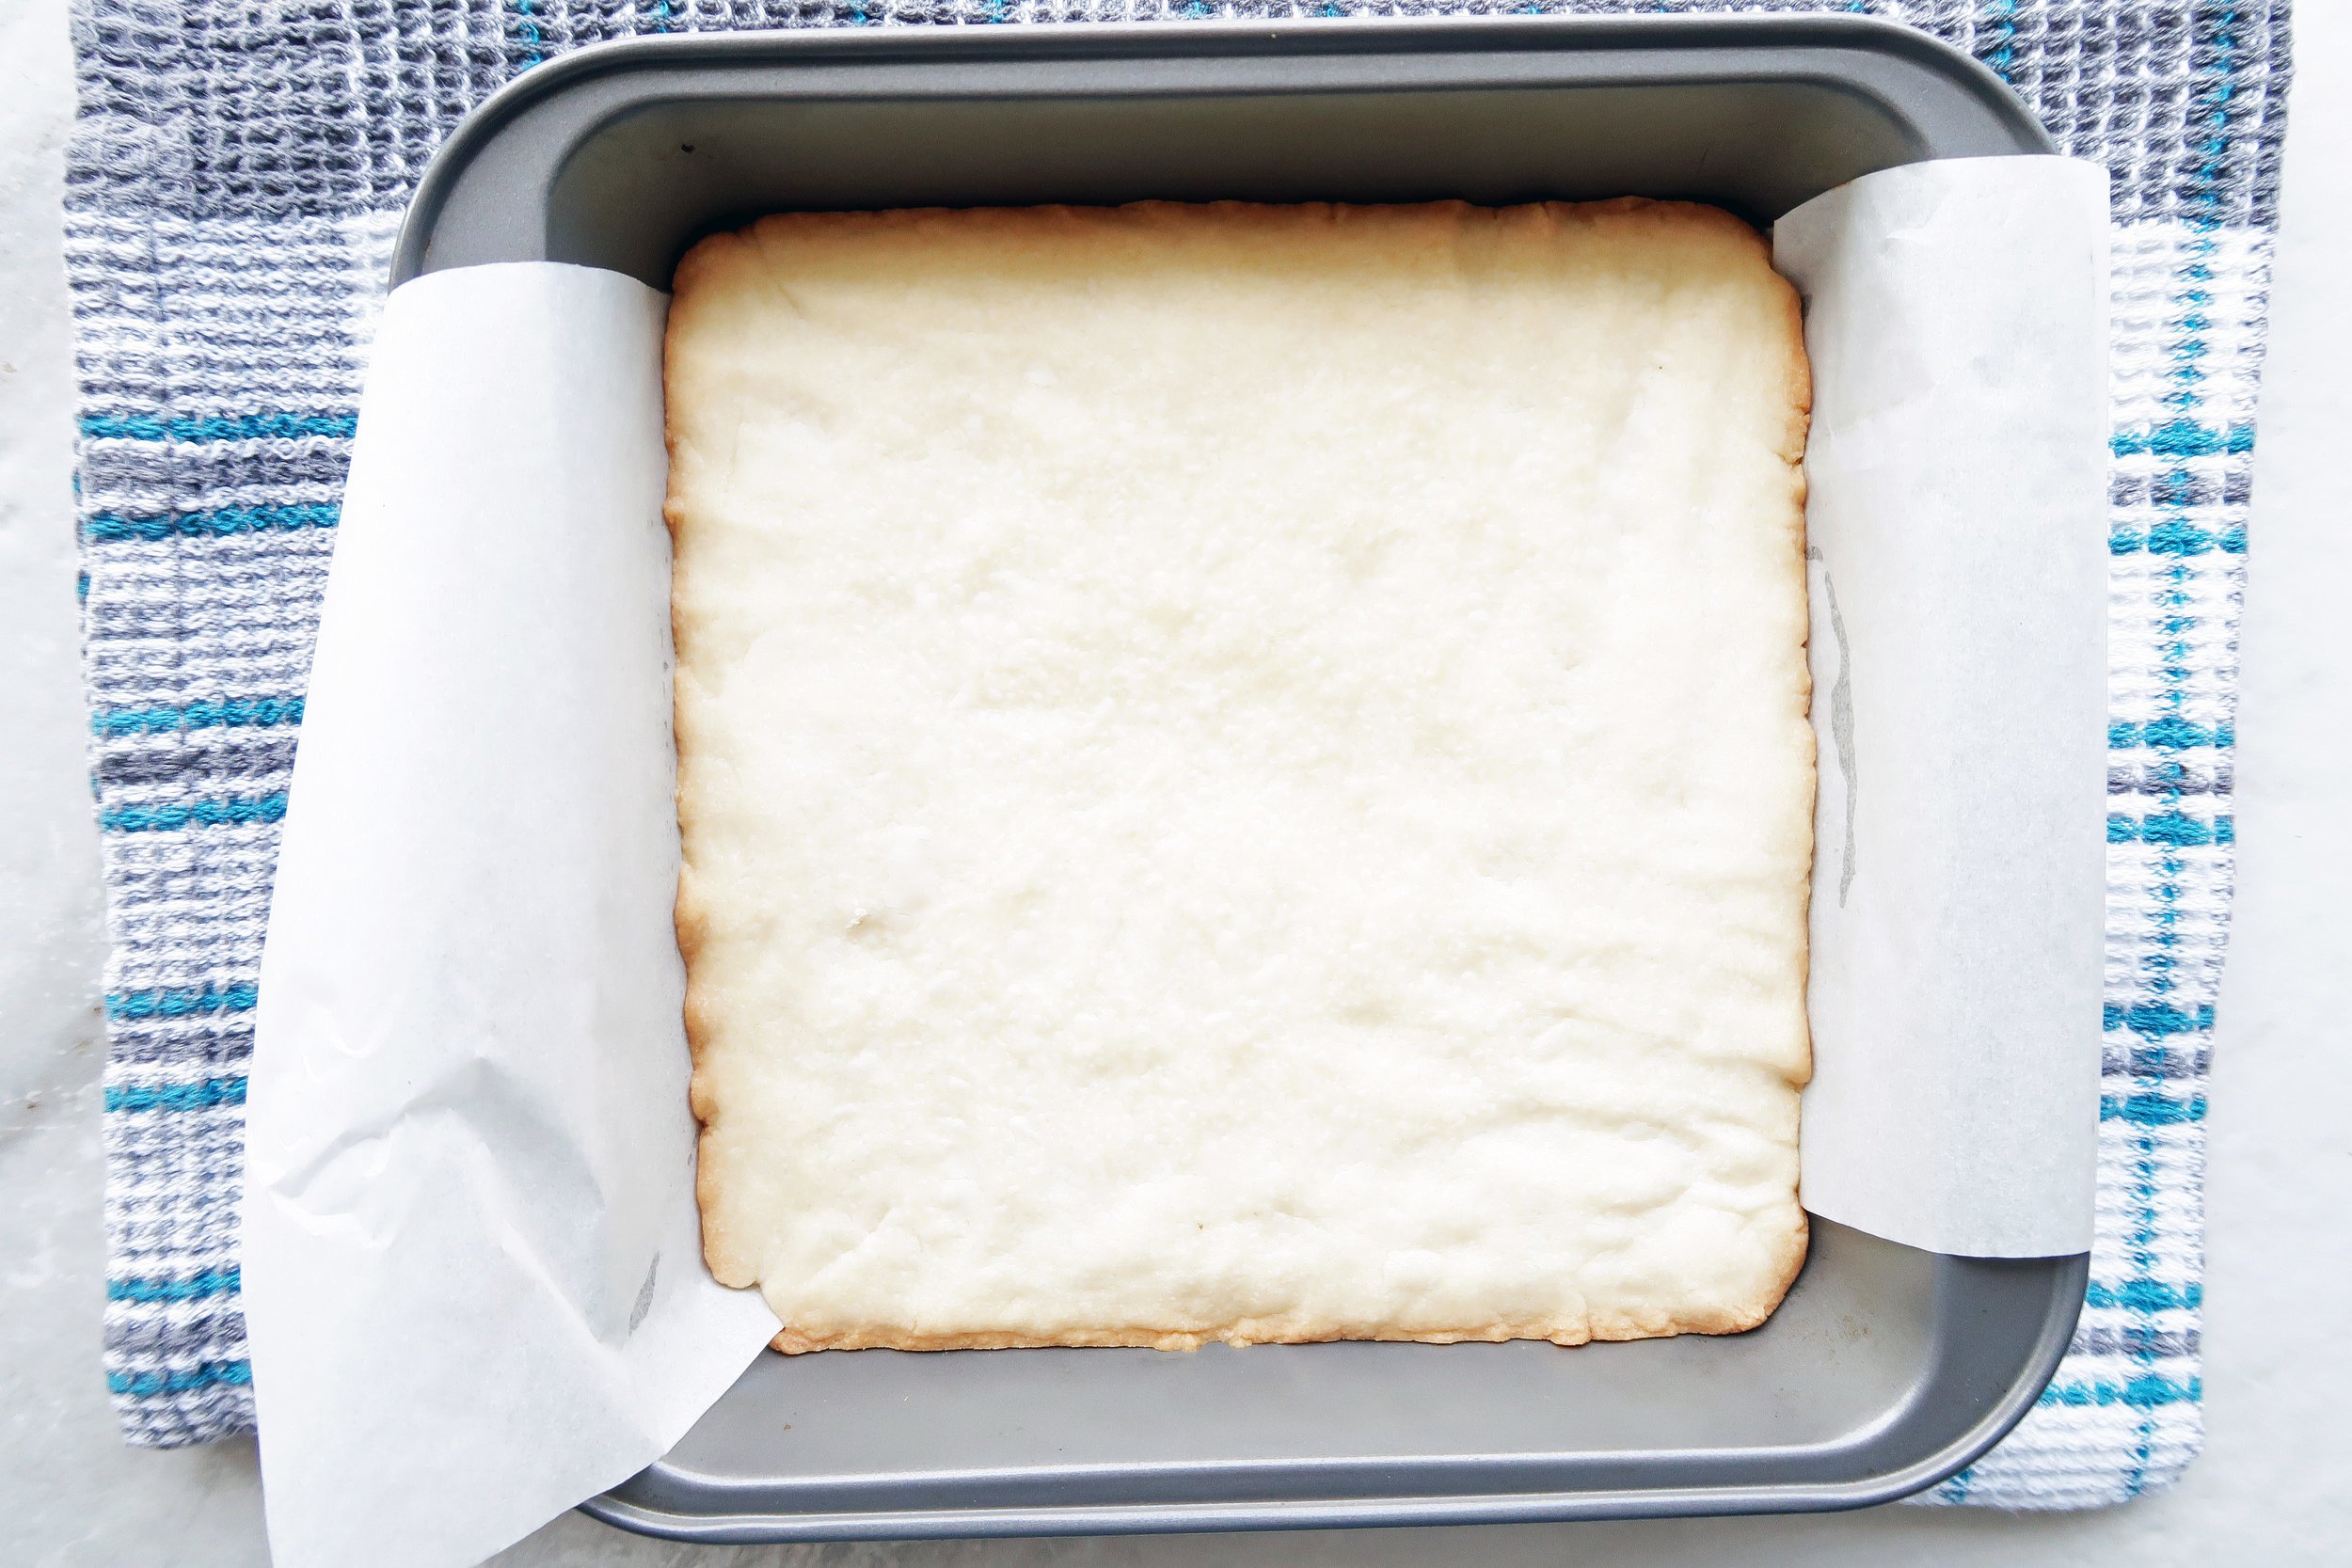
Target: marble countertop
{"points": [[2279, 1366]]}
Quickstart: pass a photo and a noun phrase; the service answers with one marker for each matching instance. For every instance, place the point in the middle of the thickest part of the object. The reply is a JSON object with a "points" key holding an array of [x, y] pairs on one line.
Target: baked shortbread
{"points": [[1244, 771]]}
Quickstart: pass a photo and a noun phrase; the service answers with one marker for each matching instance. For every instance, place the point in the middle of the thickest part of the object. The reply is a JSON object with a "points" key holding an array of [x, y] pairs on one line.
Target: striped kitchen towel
{"points": [[236, 178]]}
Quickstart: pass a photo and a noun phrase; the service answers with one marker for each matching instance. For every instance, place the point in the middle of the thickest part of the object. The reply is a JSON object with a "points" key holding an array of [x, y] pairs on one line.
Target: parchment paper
{"points": [[1955, 318], [472, 1277]]}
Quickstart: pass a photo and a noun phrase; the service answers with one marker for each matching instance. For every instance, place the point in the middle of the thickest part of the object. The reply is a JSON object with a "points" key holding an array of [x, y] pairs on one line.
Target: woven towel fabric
{"points": [[233, 184]]}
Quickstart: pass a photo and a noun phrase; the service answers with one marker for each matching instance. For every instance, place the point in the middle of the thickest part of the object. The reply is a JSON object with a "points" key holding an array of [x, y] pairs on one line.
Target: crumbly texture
{"points": [[1244, 771]]}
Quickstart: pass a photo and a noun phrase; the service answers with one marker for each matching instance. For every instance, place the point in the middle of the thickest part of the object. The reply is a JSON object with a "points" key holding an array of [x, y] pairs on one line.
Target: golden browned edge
{"points": [[687, 915], [693, 270], [793, 1341], [1799, 429]]}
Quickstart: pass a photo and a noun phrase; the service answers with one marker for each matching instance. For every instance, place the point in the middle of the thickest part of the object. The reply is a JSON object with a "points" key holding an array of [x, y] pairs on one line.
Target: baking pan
{"points": [[1887, 1367]]}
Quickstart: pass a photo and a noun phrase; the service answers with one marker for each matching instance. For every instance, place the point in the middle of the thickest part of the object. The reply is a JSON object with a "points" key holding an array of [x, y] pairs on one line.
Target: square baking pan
{"points": [[1886, 1369]]}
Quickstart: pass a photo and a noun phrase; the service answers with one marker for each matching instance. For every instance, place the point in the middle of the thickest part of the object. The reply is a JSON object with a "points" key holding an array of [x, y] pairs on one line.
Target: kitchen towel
{"points": [[235, 182]]}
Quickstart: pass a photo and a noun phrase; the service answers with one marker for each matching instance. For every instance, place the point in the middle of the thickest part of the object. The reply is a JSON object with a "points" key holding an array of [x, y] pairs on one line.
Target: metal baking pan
{"points": [[1887, 1367]]}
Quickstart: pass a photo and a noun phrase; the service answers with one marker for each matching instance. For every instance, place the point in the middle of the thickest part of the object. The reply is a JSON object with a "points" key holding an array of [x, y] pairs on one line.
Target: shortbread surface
{"points": [[1244, 771]]}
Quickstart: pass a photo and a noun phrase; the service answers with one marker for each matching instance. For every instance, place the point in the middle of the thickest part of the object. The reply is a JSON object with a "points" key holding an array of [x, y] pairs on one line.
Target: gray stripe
{"points": [[193, 1050], [2182, 1057], [212, 1333], [2157, 779], [2178, 484], [214, 759], [127, 475], [2137, 1341]]}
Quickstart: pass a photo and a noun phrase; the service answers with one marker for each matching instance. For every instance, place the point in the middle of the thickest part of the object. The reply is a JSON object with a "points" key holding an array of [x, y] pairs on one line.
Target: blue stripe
{"points": [[220, 1282], [2141, 1393], [2146, 1295], [2170, 735], [2003, 54], [180, 1002], [2183, 438], [228, 811], [198, 716], [528, 30], [147, 1384], [237, 427], [211, 523], [2150, 1110], [2173, 828], [177, 1097], [2157, 1019], [2174, 537]]}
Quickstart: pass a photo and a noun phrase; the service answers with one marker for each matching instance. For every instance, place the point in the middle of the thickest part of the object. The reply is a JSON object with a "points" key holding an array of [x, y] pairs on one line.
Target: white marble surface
{"points": [[2279, 1372]]}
